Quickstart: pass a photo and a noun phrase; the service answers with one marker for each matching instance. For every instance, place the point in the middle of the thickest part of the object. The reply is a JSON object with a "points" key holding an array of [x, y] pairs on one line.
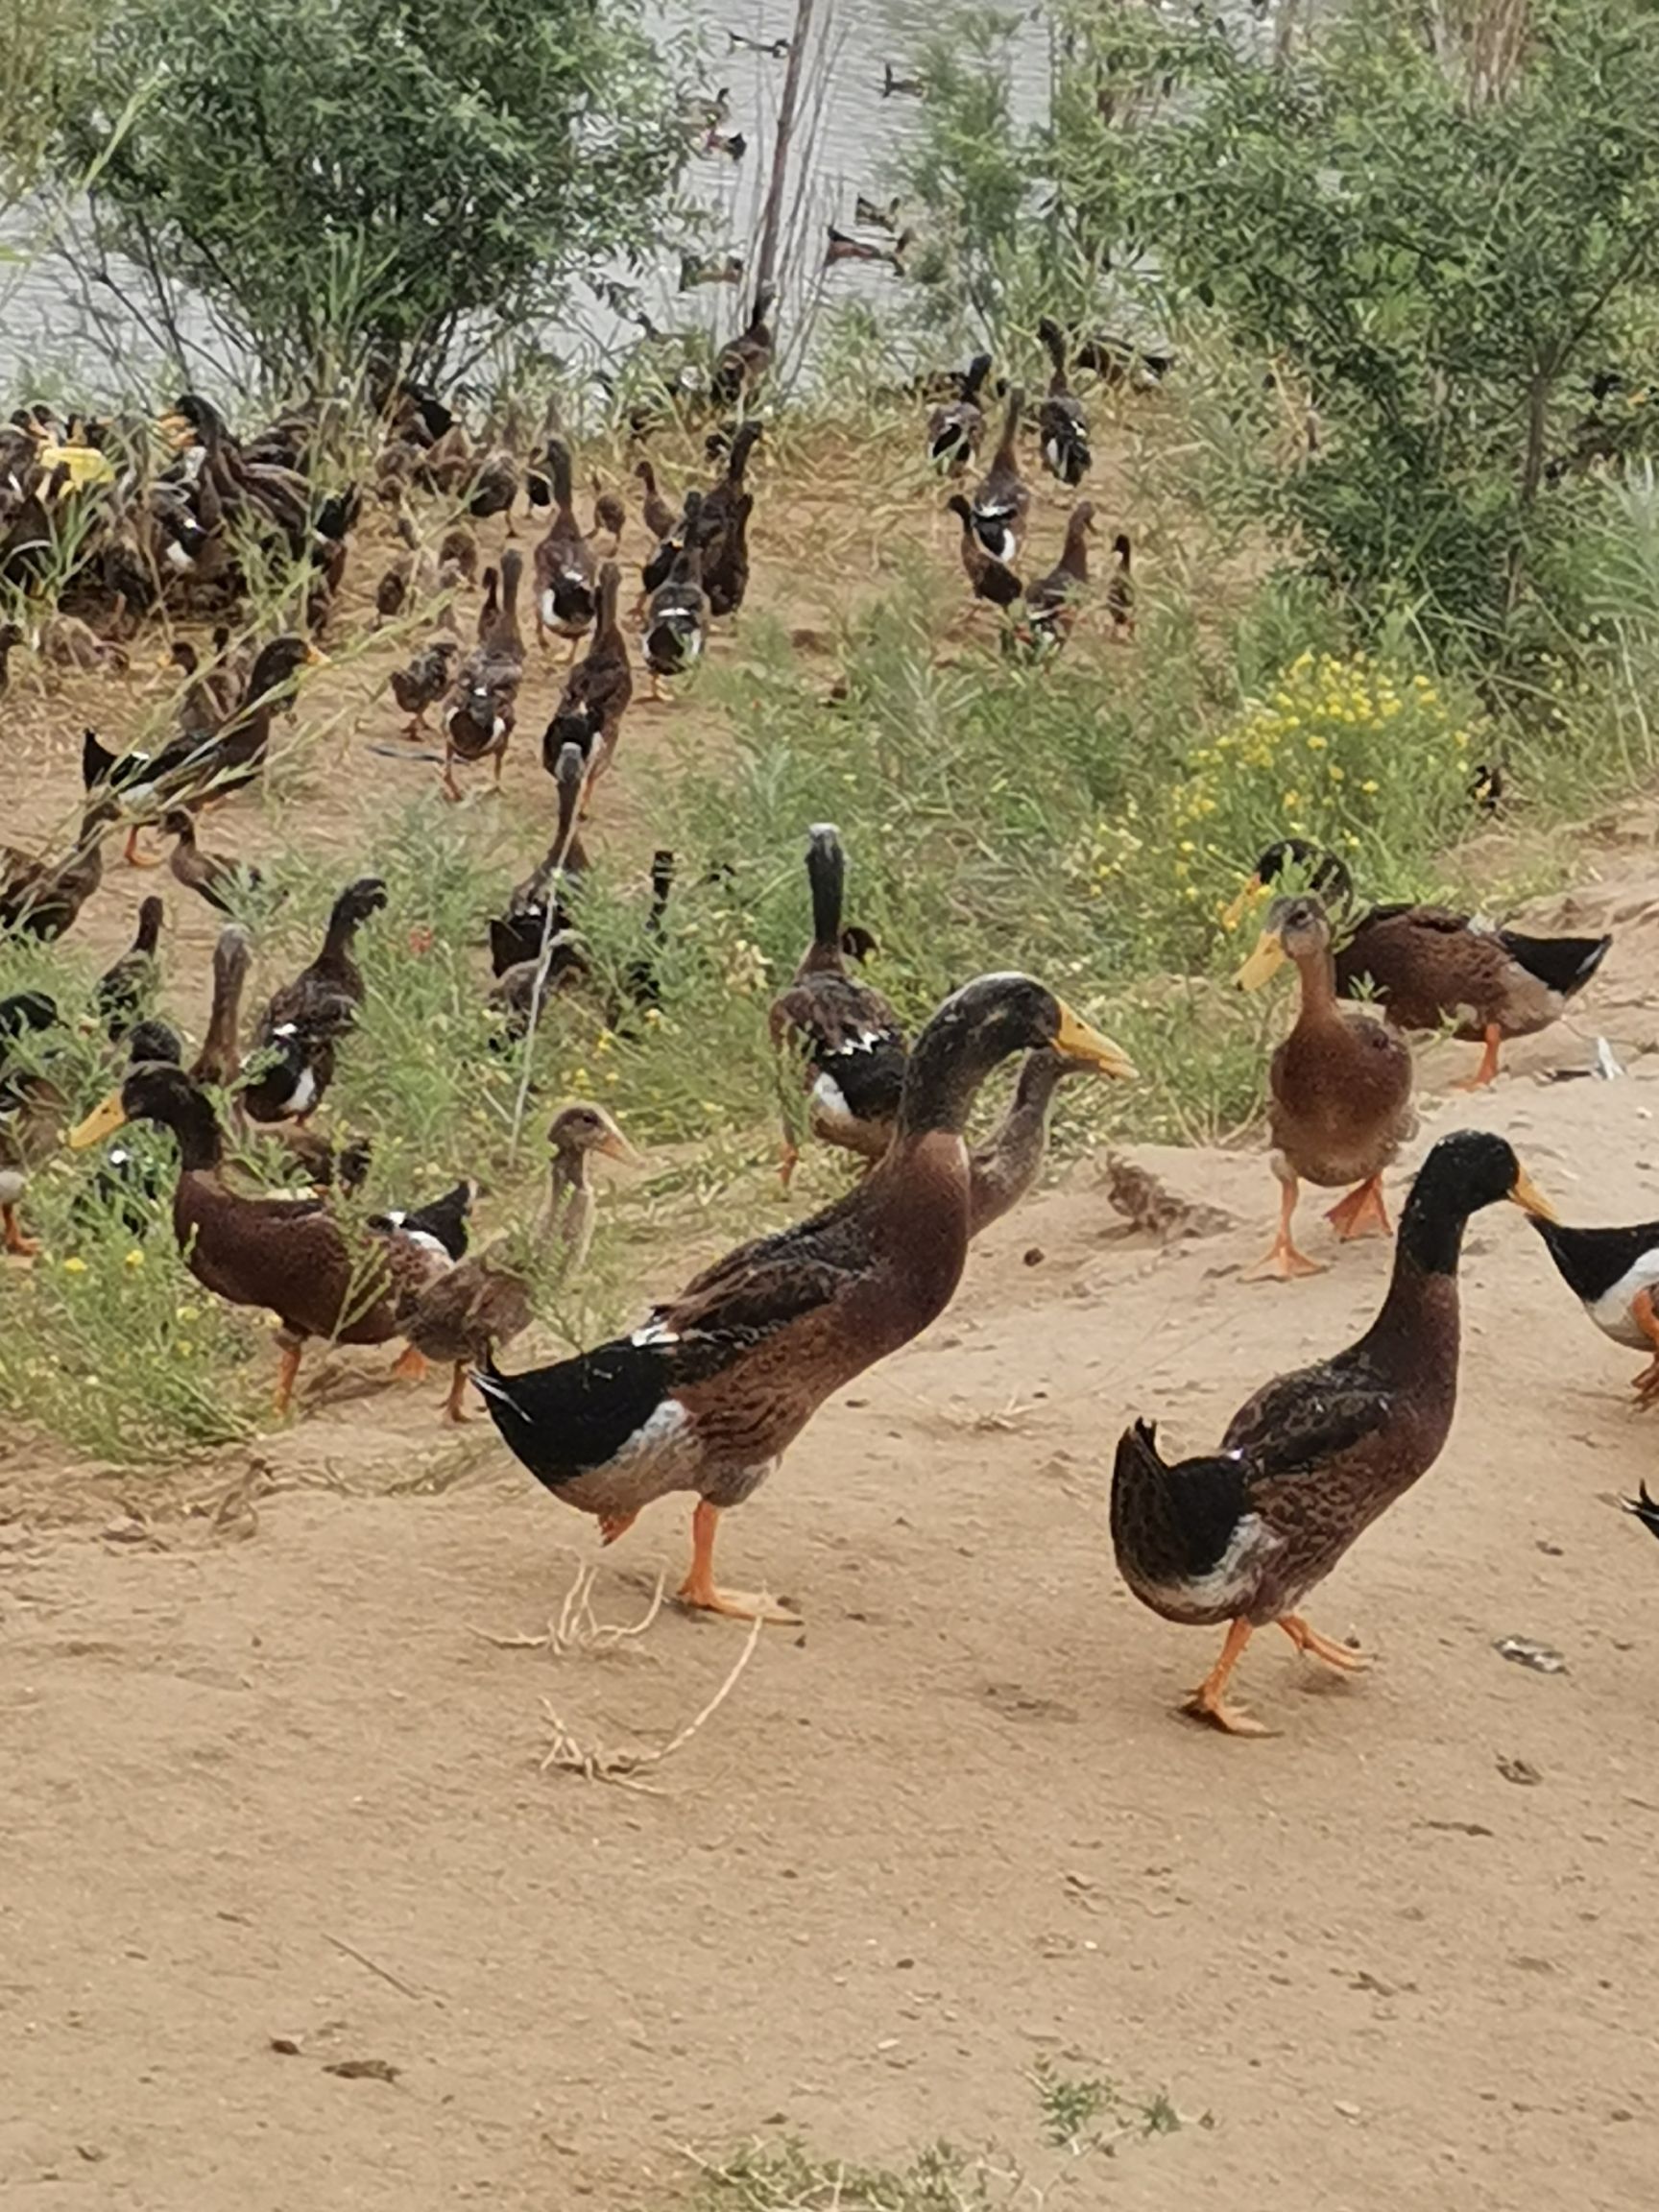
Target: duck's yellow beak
{"points": [[1526, 1194], [1233, 915], [1264, 963], [616, 1146], [315, 657], [1079, 1041], [103, 1122]]}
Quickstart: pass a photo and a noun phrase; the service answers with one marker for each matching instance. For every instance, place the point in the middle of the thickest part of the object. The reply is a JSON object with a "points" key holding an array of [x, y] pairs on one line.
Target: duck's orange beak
{"points": [[1264, 963], [1526, 1194]]}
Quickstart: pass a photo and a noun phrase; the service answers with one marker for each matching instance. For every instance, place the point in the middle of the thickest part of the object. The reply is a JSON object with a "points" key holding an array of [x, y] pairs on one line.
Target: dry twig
{"points": [[598, 1764]]}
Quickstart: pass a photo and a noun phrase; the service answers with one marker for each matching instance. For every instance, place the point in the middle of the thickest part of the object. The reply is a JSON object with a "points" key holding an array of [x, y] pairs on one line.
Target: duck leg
{"points": [[615, 1524], [287, 1375], [409, 1366], [21, 1247], [132, 855], [699, 1589], [1208, 1702], [1363, 1213], [1642, 1312], [1488, 1067], [1310, 1640], [1284, 1264], [455, 1406]]}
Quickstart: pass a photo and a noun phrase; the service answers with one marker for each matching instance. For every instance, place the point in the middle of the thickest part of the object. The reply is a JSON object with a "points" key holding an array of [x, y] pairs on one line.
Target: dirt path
{"points": [[951, 1828]]}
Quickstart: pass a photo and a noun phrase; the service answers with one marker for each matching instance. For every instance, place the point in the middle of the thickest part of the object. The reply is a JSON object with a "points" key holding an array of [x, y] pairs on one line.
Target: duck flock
{"points": [[112, 529]]}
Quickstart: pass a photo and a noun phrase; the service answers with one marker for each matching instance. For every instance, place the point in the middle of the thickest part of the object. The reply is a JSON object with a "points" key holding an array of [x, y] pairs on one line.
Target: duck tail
{"points": [[1565, 963], [1171, 1524], [1645, 1509]]}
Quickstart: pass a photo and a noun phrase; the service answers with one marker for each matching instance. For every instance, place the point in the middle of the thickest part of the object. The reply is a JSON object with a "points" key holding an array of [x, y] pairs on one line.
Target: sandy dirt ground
{"points": [[269, 1779]]}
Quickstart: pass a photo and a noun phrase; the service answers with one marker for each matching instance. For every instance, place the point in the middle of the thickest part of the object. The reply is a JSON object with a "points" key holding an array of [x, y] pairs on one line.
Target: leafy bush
{"points": [[361, 184]]}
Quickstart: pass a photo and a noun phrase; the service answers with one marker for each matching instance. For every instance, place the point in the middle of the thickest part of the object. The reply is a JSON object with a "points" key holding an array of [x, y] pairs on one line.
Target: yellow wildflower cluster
{"points": [[1342, 752]]}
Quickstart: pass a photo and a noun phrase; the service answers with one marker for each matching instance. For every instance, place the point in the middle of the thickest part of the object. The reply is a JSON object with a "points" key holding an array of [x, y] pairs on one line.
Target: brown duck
{"points": [[483, 705], [1314, 1456], [292, 1256], [716, 1385], [563, 569], [1429, 966], [1341, 1089]]}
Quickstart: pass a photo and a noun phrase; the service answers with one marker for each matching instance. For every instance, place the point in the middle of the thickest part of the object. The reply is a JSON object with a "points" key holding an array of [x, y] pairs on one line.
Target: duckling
{"points": [[126, 989], [711, 1391], [1429, 966], [562, 564], [1340, 1084], [1051, 603], [988, 577], [677, 611], [849, 1036], [483, 703], [610, 520], [223, 883], [292, 1256], [495, 486], [1061, 426], [424, 680], [303, 1023], [1613, 1273], [955, 427], [1002, 496], [596, 691], [1316, 1456], [483, 1302], [744, 365]]}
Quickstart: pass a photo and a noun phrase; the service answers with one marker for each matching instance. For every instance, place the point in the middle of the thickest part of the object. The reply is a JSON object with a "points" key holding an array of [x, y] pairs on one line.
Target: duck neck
{"points": [[1318, 973], [941, 1084], [827, 873], [201, 1140], [1074, 559], [1418, 1325]]}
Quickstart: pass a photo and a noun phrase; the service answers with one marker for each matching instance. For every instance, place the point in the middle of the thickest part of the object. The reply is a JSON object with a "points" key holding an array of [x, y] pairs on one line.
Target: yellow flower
{"points": [[1188, 846], [74, 1266], [134, 1257], [1317, 744], [1292, 800], [1370, 788]]}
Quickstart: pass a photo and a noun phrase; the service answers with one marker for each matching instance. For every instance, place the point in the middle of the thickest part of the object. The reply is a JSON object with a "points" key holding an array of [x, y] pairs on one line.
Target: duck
{"points": [[1427, 966], [896, 87], [1051, 602], [1061, 426], [844, 247], [43, 899], [955, 426], [742, 367], [226, 884], [303, 1023], [1307, 1464], [609, 519], [424, 682], [598, 690], [707, 1394], [209, 694], [495, 486], [1006, 1167], [723, 525], [405, 574], [1613, 1273], [204, 764], [989, 578], [562, 564], [877, 215], [851, 1041], [483, 702], [1340, 1084], [292, 1256], [219, 1062], [124, 993], [484, 1301], [1001, 497], [1121, 589], [641, 978], [676, 627], [536, 908], [31, 1109], [661, 519]]}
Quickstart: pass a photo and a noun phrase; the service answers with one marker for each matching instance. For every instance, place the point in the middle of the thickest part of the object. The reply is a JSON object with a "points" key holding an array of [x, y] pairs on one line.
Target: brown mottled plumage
{"points": [[1341, 1087], [1314, 1456], [708, 1394]]}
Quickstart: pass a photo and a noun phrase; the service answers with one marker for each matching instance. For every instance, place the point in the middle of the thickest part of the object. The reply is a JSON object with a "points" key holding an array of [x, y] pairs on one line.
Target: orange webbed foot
{"points": [[1339, 1655], [1284, 1265], [1362, 1213]]}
